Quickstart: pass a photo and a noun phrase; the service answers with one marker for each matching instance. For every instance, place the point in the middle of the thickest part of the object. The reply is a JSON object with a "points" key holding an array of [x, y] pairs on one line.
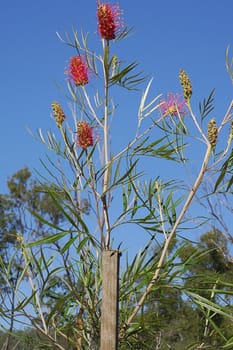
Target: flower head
{"points": [[186, 84], [78, 70], [173, 106], [212, 132], [84, 135], [108, 20], [58, 113]]}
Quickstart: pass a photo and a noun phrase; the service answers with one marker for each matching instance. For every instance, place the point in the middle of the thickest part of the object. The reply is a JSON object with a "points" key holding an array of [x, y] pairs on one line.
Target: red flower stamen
{"points": [[78, 70], [108, 20], [174, 105], [84, 135]]}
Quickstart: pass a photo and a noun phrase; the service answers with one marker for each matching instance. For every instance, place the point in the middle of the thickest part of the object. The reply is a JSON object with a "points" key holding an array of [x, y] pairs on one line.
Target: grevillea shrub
{"points": [[100, 188]]}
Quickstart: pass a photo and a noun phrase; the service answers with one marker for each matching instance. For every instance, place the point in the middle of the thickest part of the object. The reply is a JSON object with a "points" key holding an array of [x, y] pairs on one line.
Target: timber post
{"points": [[109, 309]]}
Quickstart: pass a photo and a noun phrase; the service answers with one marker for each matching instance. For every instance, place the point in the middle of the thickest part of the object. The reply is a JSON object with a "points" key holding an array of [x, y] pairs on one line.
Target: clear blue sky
{"points": [[168, 35]]}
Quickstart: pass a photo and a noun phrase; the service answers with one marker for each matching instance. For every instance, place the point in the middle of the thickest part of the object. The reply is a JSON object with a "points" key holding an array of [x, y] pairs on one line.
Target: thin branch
{"points": [[92, 109], [161, 210], [28, 273], [228, 116], [137, 138], [172, 234], [196, 123]]}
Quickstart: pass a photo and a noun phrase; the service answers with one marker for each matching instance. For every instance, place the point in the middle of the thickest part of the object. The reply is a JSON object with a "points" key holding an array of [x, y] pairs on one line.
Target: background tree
{"points": [[24, 193], [210, 275]]}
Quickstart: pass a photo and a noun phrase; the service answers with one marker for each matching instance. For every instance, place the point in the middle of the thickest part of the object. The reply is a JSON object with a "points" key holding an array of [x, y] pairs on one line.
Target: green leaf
{"points": [[209, 305], [166, 151], [207, 106], [144, 110], [44, 221], [229, 344], [71, 241], [126, 177], [225, 169], [124, 200], [127, 81], [22, 304], [47, 240]]}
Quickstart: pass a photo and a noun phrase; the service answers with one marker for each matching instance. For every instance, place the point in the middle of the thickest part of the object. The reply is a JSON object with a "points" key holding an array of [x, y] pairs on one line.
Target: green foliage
{"points": [[53, 230], [207, 106], [225, 178], [69, 294]]}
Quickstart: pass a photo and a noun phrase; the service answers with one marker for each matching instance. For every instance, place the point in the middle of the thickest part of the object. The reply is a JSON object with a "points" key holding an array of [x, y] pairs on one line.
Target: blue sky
{"points": [[168, 35]]}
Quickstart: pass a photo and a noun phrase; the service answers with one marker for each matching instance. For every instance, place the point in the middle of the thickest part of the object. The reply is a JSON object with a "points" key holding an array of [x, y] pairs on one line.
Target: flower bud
{"points": [[212, 132], [58, 113], [186, 84]]}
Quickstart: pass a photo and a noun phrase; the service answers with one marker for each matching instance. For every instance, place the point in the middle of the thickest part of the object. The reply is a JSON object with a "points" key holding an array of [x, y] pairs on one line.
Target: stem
{"points": [[137, 138], [161, 210], [72, 153], [208, 311], [228, 116], [196, 123], [91, 108], [172, 234], [30, 278], [96, 197], [54, 342], [6, 345], [106, 157]]}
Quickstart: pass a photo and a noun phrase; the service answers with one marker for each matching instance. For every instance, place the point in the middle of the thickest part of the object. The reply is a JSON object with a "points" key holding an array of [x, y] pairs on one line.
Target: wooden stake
{"points": [[109, 310]]}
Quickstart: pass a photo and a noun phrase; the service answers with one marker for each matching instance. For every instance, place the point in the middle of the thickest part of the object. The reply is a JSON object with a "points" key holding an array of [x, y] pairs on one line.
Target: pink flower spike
{"points": [[78, 70], [109, 20], [174, 106]]}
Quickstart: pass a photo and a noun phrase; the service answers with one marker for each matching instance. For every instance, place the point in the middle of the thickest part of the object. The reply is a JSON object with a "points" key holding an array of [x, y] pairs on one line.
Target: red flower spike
{"points": [[108, 20], [78, 70], [173, 106], [84, 135]]}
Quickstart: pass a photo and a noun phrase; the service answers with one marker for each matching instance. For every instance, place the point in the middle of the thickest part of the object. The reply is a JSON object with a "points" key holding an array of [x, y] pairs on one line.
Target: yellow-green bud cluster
{"points": [[114, 60], [230, 133], [212, 132], [114, 64], [231, 129], [58, 113], [186, 84]]}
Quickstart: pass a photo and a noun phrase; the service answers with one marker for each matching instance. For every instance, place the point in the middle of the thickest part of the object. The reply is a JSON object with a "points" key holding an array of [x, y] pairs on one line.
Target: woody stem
{"points": [[106, 151]]}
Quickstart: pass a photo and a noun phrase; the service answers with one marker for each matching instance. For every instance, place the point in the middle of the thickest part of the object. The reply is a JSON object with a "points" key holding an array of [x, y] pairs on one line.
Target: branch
{"points": [[169, 239], [106, 150]]}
